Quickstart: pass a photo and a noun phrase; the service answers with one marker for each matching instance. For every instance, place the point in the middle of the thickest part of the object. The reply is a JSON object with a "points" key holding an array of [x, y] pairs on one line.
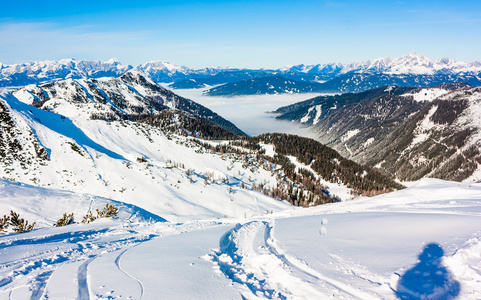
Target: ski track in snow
{"points": [[258, 256], [58, 250], [39, 288], [247, 256], [83, 288], [301, 266], [250, 256], [117, 263]]}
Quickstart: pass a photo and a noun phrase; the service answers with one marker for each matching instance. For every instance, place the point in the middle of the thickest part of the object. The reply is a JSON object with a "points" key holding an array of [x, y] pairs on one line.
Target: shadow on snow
{"points": [[428, 279]]}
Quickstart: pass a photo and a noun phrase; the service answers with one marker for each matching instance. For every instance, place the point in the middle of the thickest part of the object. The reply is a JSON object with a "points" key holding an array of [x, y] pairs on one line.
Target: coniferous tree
{"points": [[4, 223], [19, 225], [65, 220]]}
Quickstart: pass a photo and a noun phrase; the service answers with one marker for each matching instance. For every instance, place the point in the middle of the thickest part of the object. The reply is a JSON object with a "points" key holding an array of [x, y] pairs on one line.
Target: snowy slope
{"points": [[187, 230], [130, 162], [360, 249]]}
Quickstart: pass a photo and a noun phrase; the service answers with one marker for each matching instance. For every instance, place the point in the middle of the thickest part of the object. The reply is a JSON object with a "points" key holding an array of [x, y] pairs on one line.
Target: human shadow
{"points": [[428, 279]]}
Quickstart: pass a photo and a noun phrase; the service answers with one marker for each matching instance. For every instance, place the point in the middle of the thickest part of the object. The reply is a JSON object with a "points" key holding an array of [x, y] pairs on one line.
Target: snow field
{"points": [[353, 249], [427, 94]]}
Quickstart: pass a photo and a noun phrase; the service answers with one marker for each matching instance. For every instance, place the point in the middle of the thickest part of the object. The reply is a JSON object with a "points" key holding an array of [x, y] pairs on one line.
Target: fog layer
{"points": [[252, 113]]}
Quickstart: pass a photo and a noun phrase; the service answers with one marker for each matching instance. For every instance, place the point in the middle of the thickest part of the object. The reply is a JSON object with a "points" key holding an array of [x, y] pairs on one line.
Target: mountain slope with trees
{"points": [[406, 132], [263, 86]]}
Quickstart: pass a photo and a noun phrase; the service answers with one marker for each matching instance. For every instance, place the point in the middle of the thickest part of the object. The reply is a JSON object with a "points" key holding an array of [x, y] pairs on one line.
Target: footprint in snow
{"points": [[323, 230]]}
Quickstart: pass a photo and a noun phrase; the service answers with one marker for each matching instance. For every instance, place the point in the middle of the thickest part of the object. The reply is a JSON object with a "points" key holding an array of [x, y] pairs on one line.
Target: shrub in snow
{"points": [[4, 223], [65, 220], [141, 159], [89, 217], [75, 148], [19, 225], [109, 211]]}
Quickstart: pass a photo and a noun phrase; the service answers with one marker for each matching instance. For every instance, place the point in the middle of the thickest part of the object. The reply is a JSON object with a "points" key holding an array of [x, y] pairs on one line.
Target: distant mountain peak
{"points": [[113, 61], [161, 65], [410, 63]]}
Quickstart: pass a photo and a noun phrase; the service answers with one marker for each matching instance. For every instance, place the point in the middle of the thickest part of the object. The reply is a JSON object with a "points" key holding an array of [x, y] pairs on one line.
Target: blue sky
{"points": [[255, 34]]}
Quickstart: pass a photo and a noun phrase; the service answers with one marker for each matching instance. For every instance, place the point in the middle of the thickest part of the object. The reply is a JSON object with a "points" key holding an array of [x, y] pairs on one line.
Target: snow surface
{"points": [[308, 116], [367, 248], [368, 142], [426, 94], [350, 134], [422, 129]]}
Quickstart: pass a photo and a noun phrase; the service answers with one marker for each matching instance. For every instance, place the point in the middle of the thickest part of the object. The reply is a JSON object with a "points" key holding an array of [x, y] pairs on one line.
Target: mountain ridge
{"points": [[162, 71], [264, 85], [131, 96], [411, 63]]}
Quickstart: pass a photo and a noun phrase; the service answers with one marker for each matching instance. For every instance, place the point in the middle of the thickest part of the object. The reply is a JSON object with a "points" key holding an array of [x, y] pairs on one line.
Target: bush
{"points": [[19, 225], [4, 223], [65, 220], [109, 211], [141, 159], [89, 217]]}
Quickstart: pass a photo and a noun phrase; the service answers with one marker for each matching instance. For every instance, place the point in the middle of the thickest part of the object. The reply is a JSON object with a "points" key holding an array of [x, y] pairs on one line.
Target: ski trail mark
{"points": [[83, 288], [245, 258], [117, 263], [301, 266], [256, 201], [38, 287]]}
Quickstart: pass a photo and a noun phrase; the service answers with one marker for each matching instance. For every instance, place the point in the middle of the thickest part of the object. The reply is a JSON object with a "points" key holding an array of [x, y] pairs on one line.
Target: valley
{"points": [[252, 113], [237, 197]]}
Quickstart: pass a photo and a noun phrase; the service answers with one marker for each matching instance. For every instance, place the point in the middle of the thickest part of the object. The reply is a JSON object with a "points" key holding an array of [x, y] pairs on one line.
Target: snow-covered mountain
{"points": [[360, 82], [162, 71], [116, 137], [133, 95], [412, 63], [409, 70], [44, 71], [147, 166], [407, 132]]}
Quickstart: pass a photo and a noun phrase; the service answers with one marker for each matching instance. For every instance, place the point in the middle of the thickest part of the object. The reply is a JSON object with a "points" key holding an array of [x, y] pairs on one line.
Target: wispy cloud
{"points": [[50, 41], [40, 41]]}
